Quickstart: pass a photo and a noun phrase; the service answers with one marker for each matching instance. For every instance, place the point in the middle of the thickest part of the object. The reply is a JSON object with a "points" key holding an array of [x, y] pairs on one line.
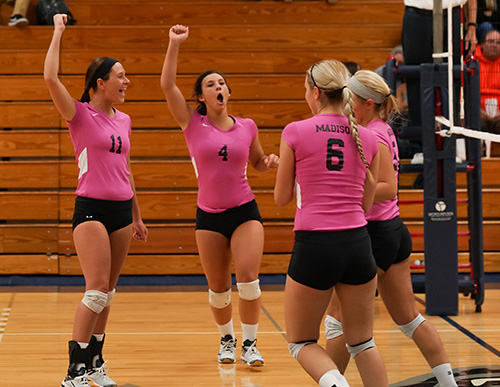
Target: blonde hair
{"points": [[331, 77], [372, 80]]}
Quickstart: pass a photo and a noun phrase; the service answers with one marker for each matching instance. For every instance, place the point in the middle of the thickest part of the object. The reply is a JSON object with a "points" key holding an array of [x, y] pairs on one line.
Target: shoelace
{"points": [[228, 345], [252, 349], [82, 379], [101, 370]]}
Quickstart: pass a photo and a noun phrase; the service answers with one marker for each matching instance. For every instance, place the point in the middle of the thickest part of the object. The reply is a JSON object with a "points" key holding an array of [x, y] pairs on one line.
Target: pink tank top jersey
{"points": [[385, 136], [329, 172], [220, 159], [101, 147]]}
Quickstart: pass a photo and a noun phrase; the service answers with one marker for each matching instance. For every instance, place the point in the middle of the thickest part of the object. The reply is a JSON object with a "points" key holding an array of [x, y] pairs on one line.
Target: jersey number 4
{"points": [[334, 156], [119, 150], [223, 153]]}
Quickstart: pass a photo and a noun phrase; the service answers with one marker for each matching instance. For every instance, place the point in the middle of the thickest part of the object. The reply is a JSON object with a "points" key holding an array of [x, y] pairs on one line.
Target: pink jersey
{"points": [[220, 160], [385, 135], [101, 147], [329, 172]]}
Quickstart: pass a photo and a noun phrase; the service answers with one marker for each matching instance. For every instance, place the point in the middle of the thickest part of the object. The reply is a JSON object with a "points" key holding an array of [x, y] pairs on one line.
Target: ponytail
{"points": [[201, 108], [85, 96]]}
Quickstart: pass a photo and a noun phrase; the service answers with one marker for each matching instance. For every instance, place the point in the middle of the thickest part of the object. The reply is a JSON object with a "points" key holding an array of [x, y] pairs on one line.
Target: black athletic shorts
{"points": [[391, 241], [322, 259], [114, 215], [227, 221]]}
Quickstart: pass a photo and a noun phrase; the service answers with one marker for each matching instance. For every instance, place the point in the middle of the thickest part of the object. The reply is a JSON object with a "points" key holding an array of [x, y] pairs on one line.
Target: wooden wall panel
{"points": [[239, 13], [239, 61], [28, 115], [29, 264], [29, 143], [29, 206], [29, 174], [28, 239], [215, 38]]}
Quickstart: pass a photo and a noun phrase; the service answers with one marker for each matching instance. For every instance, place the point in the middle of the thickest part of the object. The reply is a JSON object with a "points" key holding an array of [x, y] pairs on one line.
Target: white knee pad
{"points": [[95, 300], [249, 290], [355, 350], [333, 378], [294, 348], [111, 294], [410, 328], [219, 300], [333, 327]]}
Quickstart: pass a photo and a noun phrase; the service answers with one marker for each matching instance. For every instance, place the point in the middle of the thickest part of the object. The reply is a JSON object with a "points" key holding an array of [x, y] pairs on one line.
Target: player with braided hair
{"points": [[330, 164]]}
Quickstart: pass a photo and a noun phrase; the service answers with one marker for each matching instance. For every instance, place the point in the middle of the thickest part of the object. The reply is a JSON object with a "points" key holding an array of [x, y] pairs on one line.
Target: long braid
{"points": [[348, 112]]}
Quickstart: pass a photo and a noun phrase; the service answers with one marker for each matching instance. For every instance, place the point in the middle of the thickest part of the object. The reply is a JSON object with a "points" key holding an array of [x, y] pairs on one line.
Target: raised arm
{"points": [[177, 104], [64, 102]]}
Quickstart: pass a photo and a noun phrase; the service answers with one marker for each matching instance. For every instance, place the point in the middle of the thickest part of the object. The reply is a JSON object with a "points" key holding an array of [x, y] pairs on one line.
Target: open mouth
{"points": [[220, 98]]}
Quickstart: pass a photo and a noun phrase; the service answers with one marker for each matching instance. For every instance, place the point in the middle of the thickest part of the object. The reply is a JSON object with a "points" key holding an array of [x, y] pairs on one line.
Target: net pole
{"points": [[462, 62], [437, 29], [450, 64]]}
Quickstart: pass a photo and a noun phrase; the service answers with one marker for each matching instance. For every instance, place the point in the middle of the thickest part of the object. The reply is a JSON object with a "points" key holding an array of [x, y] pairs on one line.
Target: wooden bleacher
{"points": [[264, 48]]}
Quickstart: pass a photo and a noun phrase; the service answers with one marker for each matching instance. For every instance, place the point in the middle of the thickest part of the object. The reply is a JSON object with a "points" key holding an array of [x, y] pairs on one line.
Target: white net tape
{"points": [[465, 132]]}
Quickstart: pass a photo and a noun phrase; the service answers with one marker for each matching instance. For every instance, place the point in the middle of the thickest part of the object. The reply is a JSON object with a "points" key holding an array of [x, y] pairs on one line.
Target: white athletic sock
{"points": [[226, 329], [249, 331], [83, 345], [444, 375], [98, 337], [333, 378]]}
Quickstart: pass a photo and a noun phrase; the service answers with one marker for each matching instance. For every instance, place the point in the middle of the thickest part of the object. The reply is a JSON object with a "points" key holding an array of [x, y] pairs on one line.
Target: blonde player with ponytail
{"points": [[330, 164], [391, 242]]}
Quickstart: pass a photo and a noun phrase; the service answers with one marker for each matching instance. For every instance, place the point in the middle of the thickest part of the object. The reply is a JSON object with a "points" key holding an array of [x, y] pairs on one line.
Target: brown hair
{"points": [[198, 90], [98, 69]]}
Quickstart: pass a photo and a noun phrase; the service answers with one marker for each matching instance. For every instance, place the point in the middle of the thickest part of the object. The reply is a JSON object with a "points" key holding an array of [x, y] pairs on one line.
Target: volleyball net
{"points": [[453, 110], [485, 15]]}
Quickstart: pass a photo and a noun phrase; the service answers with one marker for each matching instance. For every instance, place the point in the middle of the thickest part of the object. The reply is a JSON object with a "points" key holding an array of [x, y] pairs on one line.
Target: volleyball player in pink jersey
{"points": [[330, 165], [228, 222], [106, 212], [391, 240]]}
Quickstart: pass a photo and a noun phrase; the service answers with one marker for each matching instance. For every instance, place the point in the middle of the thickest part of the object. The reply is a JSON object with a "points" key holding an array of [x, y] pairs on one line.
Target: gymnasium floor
{"points": [[165, 336]]}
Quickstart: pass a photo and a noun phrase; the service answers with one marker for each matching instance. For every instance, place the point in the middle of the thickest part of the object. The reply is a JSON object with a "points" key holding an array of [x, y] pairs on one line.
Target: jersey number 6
{"points": [[334, 154]]}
